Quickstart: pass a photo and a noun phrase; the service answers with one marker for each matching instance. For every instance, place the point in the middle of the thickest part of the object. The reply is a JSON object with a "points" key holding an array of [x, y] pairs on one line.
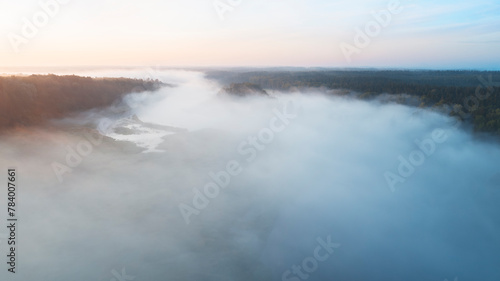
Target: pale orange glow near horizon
{"points": [[252, 33]]}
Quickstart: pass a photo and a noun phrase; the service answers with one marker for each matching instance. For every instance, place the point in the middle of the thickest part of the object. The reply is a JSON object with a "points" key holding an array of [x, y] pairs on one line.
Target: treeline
{"points": [[243, 89], [32, 100], [454, 89]]}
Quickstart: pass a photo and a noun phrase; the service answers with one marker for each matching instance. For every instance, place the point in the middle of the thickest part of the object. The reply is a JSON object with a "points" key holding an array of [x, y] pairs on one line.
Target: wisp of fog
{"points": [[295, 186]]}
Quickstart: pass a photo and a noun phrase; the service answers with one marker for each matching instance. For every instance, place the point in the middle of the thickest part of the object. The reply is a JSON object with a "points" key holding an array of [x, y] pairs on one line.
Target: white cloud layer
{"points": [[323, 175]]}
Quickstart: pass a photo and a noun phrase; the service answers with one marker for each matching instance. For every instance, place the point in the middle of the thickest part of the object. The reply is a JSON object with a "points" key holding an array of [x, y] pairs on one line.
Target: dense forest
{"points": [[473, 96], [243, 89], [32, 100]]}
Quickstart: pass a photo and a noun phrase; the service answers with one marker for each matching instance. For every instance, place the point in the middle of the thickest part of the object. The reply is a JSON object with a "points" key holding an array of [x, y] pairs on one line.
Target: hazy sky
{"points": [[424, 34]]}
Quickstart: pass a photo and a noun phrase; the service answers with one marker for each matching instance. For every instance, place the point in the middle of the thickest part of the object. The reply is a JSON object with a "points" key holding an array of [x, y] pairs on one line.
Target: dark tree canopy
{"points": [[32, 100], [459, 90]]}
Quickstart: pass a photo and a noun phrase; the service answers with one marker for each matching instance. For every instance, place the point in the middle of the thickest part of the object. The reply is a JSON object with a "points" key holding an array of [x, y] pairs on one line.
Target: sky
{"points": [[313, 33]]}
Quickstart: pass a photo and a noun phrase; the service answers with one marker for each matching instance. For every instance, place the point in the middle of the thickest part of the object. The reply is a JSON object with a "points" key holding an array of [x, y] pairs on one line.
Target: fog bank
{"points": [[249, 188]]}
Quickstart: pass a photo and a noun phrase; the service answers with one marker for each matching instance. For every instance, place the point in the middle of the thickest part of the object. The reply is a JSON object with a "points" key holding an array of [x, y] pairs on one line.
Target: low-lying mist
{"points": [[296, 186]]}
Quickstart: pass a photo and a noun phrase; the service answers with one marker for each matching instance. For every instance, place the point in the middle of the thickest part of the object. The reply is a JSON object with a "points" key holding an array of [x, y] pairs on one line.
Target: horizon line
{"points": [[2, 68]]}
